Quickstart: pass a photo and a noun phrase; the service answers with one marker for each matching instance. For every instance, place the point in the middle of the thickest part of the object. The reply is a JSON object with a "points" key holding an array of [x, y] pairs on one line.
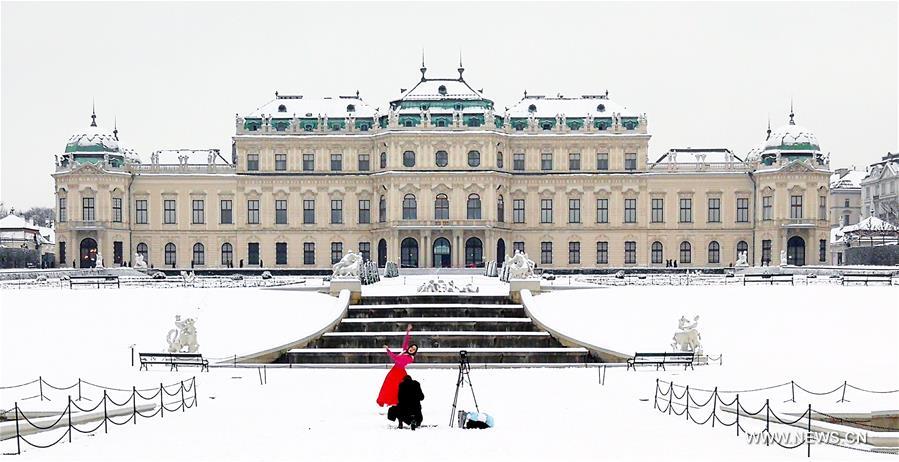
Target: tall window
{"points": [[308, 211], [714, 252], [168, 208], [308, 253], [336, 211], [382, 210], [409, 159], [574, 253], [336, 162], [630, 252], [822, 207], [253, 253], [517, 246], [441, 158], [140, 212], [364, 163], [546, 161], [280, 162], [280, 211], [63, 213], [630, 161], [336, 252], [656, 252], [383, 162], [499, 160], [546, 253], [766, 252], [518, 161], [822, 250], [546, 210], [225, 213], [198, 214], [658, 210], [517, 210], [87, 208], [280, 253], [365, 250], [410, 207], [199, 257], [602, 210], [227, 255], [308, 162], [364, 211], [473, 207], [630, 210], [767, 208], [253, 212], [714, 210], [574, 161], [602, 161], [686, 210], [441, 207], [685, 252], [252, 162], [170, 254], [500, 209], [795, 207], [142, 250], [117, 209], [574, 210], [474, 158], [742, 210], [602, 253]]}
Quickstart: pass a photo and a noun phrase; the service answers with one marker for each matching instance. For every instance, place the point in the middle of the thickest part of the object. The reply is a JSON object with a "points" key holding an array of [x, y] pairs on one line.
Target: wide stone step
{"points": [[439, 356], [417, 299], [457, 339], [436, 324], [436, 310]]}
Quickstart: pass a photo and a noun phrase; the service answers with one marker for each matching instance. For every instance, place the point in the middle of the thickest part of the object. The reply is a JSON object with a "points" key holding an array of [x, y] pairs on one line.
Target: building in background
{"points": [[880, 189], [440, 178], [24, 244]]}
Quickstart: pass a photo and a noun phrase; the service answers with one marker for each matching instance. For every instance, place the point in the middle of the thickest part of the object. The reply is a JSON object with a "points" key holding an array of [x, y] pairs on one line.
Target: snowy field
{"points": [[817, 336]]}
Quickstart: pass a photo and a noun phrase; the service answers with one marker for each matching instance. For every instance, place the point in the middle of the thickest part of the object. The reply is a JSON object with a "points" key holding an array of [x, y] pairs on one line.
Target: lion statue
{"points": [[687, 338], [348, 266], [183, 338]]}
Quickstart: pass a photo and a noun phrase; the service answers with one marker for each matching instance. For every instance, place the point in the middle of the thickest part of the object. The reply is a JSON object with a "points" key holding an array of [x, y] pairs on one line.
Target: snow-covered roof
{"points": [[848, 180], [93, 139], [440, 89], [194, 156], [691, 155], [869, 224], [288, 106], [581, 106], [13, 221], [792, 137]]}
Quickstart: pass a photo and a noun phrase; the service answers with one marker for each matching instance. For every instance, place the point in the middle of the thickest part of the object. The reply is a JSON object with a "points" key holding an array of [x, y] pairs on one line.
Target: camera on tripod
{"points": [[467, 419]]}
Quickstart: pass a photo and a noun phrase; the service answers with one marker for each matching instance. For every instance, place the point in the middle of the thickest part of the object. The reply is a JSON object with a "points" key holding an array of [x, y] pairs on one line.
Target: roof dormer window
{"points": [[532, 108], [601, 108], [442, 90], [282, 108], [350, 108]]}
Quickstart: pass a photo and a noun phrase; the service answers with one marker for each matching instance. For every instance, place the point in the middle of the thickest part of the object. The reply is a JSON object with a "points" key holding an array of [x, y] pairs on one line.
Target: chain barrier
{"points": [[183, 403]]}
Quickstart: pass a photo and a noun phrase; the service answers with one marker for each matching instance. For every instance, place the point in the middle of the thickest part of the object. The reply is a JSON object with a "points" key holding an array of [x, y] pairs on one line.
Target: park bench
{"points": [[768, 279], [661, 359], [173, 360], [100, 279], [880, 278]]}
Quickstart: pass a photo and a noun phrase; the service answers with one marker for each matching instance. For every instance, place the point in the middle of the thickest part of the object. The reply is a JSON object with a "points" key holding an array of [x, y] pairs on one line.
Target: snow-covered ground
{"points": [[818, 336]]}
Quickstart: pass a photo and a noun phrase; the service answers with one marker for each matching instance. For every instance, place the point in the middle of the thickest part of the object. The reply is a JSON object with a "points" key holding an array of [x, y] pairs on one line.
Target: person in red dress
{"points": [[389, 395]]}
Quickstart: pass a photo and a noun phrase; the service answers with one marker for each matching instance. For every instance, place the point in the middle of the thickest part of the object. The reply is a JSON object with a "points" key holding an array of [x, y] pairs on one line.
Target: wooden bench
{"points": [[768, 279], [865, 278], [661, 359], [97, 280], [173, 360]]}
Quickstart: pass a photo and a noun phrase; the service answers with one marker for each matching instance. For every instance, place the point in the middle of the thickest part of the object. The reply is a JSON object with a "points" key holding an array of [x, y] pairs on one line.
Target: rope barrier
{"points": [[872, 391], [19, 385], [22, 438]]}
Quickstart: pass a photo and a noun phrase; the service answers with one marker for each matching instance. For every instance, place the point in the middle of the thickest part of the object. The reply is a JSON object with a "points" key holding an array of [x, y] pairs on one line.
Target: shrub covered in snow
{"points": [[158, 275], [266, 275], [237, 277]]}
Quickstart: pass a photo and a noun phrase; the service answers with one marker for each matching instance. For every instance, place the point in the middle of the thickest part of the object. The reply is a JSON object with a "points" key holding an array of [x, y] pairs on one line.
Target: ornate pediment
{"points": [[797, 167], [87, 169]]}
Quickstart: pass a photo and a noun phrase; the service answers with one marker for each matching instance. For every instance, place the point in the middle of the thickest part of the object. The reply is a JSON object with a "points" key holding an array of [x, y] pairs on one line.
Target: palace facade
{"points": [[441, 178]]}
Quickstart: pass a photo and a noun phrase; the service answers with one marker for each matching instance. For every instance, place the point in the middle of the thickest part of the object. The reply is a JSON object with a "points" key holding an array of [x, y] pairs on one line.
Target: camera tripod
{"points": [[464, 369]]}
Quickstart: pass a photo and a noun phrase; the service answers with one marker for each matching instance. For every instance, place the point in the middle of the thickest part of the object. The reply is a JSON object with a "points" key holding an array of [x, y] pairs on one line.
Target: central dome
{"points": [[792, 137], [94, 140]]}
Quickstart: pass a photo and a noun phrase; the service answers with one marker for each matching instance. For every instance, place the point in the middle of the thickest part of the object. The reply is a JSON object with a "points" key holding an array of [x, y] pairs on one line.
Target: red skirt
{"points": [[389, 395]]}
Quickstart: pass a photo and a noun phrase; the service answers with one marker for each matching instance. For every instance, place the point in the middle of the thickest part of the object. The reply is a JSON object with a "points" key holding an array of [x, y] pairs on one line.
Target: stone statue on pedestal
{"points": [[99, 262], [348, 266], [139, 261], [742, 259], [687, 337], [783, 258], [183, 338]]}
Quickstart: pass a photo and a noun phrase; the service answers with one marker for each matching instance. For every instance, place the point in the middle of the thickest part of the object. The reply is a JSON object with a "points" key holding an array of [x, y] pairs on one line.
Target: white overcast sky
{"points": [[706, 74]]}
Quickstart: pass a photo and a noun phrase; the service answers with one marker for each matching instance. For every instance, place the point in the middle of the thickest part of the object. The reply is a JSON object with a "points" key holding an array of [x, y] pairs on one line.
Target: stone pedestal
{"points": [[517, 285], [353, 285]]}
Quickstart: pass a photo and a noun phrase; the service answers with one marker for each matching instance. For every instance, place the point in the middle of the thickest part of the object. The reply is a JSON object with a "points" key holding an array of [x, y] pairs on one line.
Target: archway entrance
{"points": [[409, 253], [474, 253], [443, 253], [796, 251], [500, 252], [382, 253], [88, 253]]}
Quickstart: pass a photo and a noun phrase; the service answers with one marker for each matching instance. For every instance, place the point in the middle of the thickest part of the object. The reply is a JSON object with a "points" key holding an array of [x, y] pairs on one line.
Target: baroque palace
{"points": [[442, 179]]}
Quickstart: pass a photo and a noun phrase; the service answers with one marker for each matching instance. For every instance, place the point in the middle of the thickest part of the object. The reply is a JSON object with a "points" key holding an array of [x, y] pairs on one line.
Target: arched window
{"points": [[441, 89], [441, 207], [350, 108], [408, 123], [170, 254], [499, 160], [383, 160], [282, 108], [227, 255], [601, 108], [199, 254], [441, 158], [474, 253], [409, 159], [382, 210], [685, 252], [441, 122], [410, 207], [308, 127], [474, 122], [714, 252], [500, 209], [144, 251], [532, 108], [656, 252], [546, 126], [474, 158], [474, 207], [409, 253], [363, 127], [742, 246]]}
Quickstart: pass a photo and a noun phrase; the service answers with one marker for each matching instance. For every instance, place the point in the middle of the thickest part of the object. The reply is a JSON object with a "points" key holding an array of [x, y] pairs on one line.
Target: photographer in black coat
{"points": [[408, 408]]}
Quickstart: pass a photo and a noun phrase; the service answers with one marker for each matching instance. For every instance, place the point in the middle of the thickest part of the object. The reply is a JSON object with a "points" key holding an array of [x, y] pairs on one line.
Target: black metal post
{"points": [[18, 435], [105, 414], [183, 404], [843, 397], [767, 422], [134, 404], [161, 402], [714, 405], [738, 416], [195, 391], [808, 441], [687, 402], [655, 399], [79, 389], [40, 379], [70, 418]]}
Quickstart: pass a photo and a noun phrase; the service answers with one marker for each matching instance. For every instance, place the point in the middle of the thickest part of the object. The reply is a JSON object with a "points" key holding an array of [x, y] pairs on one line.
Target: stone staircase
{"points": [[491, 329]]}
